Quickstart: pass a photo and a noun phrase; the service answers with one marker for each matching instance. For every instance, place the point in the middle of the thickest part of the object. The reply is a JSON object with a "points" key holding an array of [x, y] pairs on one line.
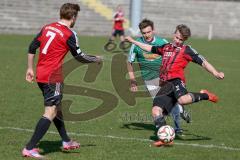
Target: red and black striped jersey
{"points": [[54, 41], [175, 59]]}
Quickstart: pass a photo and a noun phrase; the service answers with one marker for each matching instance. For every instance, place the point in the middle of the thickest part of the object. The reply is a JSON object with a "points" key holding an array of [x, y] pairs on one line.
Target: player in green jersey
{"points": [[149, 67]]}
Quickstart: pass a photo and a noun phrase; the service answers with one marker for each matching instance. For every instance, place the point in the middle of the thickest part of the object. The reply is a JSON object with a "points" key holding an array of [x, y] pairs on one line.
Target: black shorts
{"points": [[52, 93], [168, 95], [118, 32]]}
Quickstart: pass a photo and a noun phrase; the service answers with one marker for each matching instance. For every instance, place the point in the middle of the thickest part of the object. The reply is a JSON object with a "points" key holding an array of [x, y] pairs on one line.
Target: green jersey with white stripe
{"points": [[149, 66]]}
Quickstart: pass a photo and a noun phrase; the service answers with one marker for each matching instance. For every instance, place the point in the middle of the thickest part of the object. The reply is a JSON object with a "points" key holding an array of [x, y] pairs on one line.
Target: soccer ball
{"points": [[166, 134]]}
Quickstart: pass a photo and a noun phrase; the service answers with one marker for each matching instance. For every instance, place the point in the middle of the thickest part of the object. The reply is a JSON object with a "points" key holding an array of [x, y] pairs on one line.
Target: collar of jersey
{"points": [[149, 42], [62, 23]]}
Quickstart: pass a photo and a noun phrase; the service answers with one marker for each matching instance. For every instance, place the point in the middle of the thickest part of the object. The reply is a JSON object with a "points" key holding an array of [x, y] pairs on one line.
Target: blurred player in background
{"points": [[117, 30], [54, 40], [150, 68], [118, 20], [175, 57]]}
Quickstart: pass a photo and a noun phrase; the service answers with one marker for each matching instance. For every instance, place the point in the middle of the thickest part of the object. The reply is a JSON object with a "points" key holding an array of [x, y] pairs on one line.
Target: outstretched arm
{"points": [[145, 47], [212, 70], [192, 55], [76, 52]]}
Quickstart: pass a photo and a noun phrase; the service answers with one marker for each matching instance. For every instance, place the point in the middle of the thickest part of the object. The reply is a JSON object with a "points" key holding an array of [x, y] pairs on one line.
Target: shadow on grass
{"points": [[56, 146], [186, 136], [139, 126]]}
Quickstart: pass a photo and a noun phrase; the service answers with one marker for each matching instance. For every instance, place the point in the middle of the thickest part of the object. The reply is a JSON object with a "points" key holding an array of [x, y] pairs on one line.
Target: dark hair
{"points": [[184, 31], [69, 10], [145, 23]]}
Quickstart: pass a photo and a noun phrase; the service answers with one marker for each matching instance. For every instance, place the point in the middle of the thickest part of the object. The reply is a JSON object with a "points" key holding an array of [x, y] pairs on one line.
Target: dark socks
{"points": [[40, 130], [59, 123], [198, 96], [159, 121]]}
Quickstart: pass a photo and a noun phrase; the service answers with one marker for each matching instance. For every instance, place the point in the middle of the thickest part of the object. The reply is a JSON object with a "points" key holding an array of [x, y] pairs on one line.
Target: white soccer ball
{"points": [[166, 134]]}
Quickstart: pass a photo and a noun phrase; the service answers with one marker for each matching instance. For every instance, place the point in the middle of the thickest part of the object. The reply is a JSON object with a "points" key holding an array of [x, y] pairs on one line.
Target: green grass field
{"points": [[125, 131]]}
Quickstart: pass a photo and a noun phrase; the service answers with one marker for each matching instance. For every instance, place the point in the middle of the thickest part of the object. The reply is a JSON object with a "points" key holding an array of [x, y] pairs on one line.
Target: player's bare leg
{"points": [[196, 97], [157, 114], [122, 38]]}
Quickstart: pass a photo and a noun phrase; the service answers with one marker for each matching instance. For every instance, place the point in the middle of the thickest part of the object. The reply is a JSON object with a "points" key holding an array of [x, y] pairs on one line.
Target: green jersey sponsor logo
{"points": [[149, 63]]}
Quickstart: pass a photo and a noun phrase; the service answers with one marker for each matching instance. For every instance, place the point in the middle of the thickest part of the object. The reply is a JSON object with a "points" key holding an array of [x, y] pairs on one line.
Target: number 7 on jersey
{"points": [[52, 36]]}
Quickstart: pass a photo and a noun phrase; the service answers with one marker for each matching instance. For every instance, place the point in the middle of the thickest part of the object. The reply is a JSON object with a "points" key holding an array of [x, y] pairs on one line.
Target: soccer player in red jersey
{"points": [[54, 41], [118, 20], [175, 57]]}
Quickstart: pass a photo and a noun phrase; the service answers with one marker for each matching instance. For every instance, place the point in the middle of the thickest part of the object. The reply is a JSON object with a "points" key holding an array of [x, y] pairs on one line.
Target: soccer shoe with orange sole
{"points": [[71, 145], [33, 153], [212, 96], [161, 143]]}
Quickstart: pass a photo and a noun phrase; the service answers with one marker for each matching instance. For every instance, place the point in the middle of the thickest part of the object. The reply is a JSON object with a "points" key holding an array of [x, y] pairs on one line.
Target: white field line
{"points": [[125, 138]]}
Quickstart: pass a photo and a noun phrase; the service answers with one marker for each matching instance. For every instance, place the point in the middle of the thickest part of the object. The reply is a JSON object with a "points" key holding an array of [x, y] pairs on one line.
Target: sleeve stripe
{"points": [[79, 51], [132, 55]]}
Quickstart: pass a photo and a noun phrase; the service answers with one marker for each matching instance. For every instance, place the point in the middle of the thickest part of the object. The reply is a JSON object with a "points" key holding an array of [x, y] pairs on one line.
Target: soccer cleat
{"points": [[212, 96], [71, 145], [160, 143], [186, 116], [179, 132], [33, 153]]}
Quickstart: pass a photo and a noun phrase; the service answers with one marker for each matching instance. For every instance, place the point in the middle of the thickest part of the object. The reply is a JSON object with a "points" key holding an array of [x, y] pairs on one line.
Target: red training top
{"points": [[118, 21]]}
